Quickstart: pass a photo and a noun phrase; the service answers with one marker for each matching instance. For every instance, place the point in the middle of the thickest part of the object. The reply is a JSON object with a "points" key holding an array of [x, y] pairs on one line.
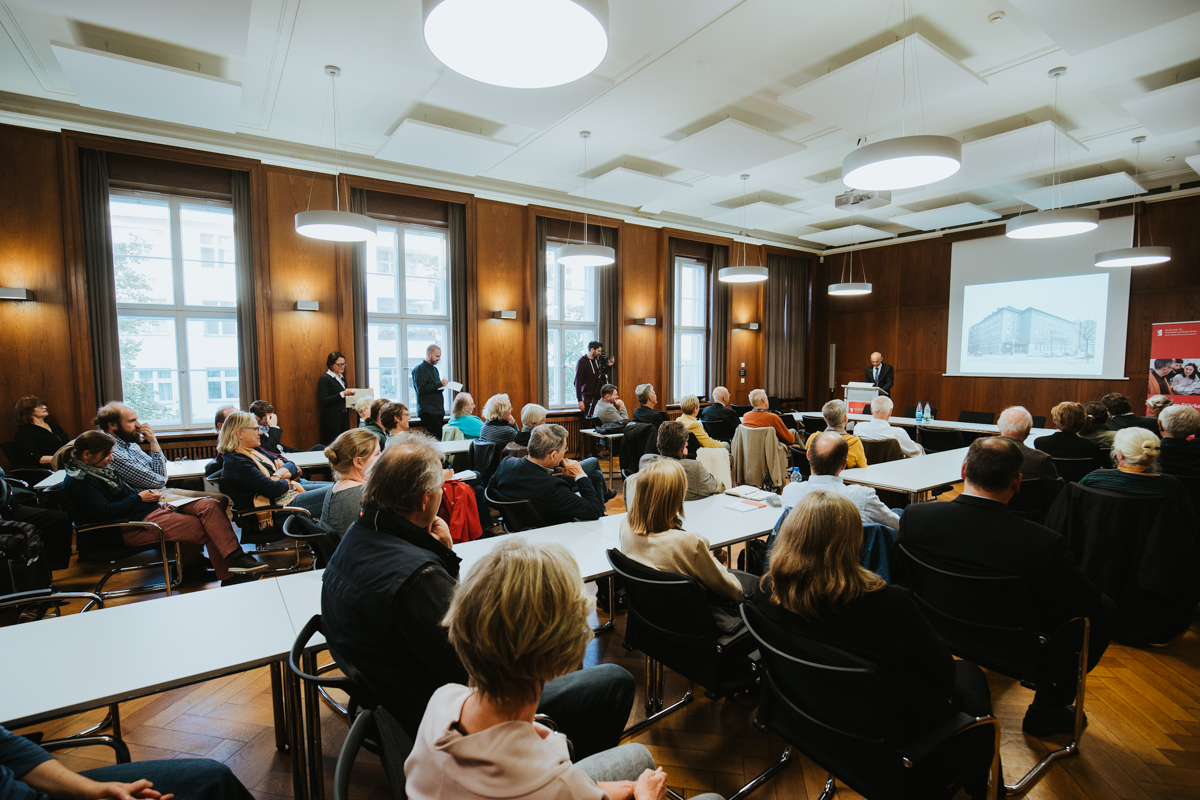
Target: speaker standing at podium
{"points": [[880, 374]]}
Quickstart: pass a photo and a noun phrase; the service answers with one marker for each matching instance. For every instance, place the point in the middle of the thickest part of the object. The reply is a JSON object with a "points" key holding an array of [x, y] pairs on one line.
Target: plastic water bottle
{"points": [[796, 477], [928, 413], [919, 416]]}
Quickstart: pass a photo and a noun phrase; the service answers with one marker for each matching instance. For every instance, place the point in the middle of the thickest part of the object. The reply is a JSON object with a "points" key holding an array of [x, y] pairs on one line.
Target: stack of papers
{"points": [[748, 492], [745, 505]]}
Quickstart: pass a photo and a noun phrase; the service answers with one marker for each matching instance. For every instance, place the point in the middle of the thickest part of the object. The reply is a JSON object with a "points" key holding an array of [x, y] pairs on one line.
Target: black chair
{"points": [[515, 515], [1192, 484], [1033, 501], [717, 429], [394, 748], [833, 707], [741, 410], [640, 439], [1038, 422], [1072, 470], [15, 460], [485, 458], [814, 425], [100, 543], [990, 620], [693, 445], [911, 412], [321, 541], [936, 440], [245, 516], [882, 451], [977, 417]]}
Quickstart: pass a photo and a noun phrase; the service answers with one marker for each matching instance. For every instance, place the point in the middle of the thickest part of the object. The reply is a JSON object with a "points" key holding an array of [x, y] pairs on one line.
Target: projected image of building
{"points": [[1033, 332]]}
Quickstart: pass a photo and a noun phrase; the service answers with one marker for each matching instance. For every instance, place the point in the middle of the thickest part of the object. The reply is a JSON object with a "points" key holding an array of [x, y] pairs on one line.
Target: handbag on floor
{"points": [[24, 560]]}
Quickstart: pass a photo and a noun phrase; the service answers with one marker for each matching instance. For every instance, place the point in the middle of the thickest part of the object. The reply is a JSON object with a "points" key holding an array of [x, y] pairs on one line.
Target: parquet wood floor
{"points": [[1142, 743]]}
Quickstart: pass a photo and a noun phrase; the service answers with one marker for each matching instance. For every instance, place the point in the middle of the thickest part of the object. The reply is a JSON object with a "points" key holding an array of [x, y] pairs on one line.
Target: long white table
{"points": [[913, 476], [937, 424], [194, 467]]}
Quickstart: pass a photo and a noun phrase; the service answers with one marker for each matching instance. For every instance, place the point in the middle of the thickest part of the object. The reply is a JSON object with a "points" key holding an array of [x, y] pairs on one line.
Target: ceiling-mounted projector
{"points": [[861, 200]]}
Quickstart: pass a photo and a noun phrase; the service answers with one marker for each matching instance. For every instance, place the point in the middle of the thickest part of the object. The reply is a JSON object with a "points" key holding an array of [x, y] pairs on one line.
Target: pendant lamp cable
{"points": [[320, 137], [337, 184], [745, 179]]}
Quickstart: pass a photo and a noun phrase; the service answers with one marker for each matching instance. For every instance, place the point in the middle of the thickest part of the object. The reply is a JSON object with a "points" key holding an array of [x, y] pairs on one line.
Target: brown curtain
{"points": [[98, 272], [539, 305], [785, 318], [358, 294], [243, 242], [456, 214], [608, 287], [719, 323], [667, 392]]}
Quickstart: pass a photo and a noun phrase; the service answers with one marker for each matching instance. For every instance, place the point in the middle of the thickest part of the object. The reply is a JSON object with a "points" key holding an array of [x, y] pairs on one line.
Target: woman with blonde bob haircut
{"points": [[351, 457], [690, 417], [518, 620], [815, 590]]}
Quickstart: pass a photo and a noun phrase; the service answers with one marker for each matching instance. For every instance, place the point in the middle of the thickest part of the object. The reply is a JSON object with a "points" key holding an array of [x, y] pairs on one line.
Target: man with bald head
{"points": [[1015, 423], [880, 374], [827, 453], [720, 411]]}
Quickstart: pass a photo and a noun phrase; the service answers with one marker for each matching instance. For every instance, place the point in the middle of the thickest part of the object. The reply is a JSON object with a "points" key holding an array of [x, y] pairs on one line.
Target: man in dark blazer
{"points": [[1120, 414], [719, 411], [332, 394], [1015, 423], [558, 498], [976, 533], [645, 412], [1177, 455], [881, 374]]}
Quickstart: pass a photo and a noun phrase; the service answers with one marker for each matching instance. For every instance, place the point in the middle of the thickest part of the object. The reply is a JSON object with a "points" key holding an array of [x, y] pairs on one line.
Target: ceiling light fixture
{"points": [[585, 255], [743, 273], [521, 44], [1054, 222], [850, 287], [905, 161], [1136, 256], [336, 225]]}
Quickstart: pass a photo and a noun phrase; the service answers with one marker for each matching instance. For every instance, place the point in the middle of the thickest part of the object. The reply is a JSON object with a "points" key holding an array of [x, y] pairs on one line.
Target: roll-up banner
{"points": [[1175, 362]]}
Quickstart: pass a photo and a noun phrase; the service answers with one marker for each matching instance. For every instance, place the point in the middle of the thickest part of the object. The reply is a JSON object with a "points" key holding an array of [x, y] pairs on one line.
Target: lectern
{"points": [[859, 396]]}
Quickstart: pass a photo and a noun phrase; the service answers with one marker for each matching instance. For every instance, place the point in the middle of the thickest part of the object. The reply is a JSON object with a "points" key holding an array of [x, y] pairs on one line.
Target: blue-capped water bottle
{"points": [[919, 417], [796, 477]]}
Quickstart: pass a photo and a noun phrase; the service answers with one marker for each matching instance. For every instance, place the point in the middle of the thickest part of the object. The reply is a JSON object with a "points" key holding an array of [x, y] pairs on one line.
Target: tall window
{"points": [[174, 264], [572, 311], [691, 351], [408, 307]]}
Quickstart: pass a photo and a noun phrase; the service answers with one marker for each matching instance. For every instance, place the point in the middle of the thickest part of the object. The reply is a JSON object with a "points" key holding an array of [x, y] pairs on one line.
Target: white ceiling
{"points": [[677, 71]]}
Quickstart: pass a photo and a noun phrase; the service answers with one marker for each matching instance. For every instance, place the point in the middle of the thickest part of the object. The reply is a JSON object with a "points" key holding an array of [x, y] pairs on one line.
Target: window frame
{"points": [[678, 329], [556, 373]]}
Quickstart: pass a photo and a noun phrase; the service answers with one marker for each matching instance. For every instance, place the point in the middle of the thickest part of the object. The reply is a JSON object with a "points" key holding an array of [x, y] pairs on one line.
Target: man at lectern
{"points": [[880, 374]]}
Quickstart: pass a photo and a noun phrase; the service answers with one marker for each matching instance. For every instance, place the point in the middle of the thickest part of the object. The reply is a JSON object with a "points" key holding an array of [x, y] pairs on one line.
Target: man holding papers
{"points": [[428, 383]]}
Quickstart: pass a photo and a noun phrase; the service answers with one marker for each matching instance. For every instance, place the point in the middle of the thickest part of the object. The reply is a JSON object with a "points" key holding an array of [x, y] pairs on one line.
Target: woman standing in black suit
{"points": [[37, 438], [332, 394]]}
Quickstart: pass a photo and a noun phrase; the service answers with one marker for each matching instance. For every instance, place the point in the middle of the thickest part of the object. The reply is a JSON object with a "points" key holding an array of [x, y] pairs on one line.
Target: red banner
{"points": [[1175, 362]]}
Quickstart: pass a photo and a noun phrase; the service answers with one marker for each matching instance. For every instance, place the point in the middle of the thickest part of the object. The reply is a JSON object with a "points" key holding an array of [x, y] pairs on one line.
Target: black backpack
{"points": [[24, 561]]}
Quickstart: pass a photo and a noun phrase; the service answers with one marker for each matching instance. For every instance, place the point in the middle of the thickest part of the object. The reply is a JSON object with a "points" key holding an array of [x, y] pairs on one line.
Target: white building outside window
{"points": [[691, 331], [572, 312]]}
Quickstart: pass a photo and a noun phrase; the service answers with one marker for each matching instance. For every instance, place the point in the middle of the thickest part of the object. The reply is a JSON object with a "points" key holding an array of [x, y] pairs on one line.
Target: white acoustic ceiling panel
{"points": [[945, 217], [1090, 190], [214, 26], [727, 148], [850, 234], [530, 108], [1078, 26], [1017, 154], [842, 97], [1170, 110], [628, 187], [423, 144], [1194, 163], [758, 215], [141, 89]]}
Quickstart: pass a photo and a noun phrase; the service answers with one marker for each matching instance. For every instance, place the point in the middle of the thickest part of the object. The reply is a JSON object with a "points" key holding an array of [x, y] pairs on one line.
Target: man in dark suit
{"points": [[720, 412], [976, 533], [1177, 455], [428, 383], [559, 498], [332, 394], [1120, 414], [645, 412], [881, 374], [1015, 423]]}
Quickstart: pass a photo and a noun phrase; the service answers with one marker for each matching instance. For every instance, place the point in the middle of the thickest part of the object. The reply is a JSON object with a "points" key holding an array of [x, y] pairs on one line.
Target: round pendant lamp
{"points": [[743, 273], [902, 163], [521, 44], [850, 287], [585, 255], [1053, 223], [1136, 256]]}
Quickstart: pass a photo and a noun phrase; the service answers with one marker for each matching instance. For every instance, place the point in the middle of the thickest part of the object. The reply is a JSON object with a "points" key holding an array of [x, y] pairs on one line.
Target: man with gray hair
{"points": [[559, 488], [878, 428], [1178, 456], [834, 413], [1015, 423], [720, 412], [647, 400]]}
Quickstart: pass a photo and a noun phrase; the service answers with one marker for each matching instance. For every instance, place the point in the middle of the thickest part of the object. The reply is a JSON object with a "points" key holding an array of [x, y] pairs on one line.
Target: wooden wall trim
{"points": [[409, 189], [160, 151], [575, 216], [707, 238], [82, 357]]}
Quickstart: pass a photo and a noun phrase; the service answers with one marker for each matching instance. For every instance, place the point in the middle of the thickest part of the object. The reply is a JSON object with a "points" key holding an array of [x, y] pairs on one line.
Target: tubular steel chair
{"points": [[515, 515], [395, 746], [245, 516], [322, 542]]}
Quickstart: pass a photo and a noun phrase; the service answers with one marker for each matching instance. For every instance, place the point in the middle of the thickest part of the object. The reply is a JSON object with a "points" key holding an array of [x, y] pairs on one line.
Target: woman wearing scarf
{"points": [[265, 476], [100, 495]]}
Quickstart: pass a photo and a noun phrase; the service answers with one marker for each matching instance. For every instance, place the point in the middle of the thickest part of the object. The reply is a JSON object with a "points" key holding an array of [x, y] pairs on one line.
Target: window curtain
{"points": [[243, 239], [358, 294], [719, 292], [608, 287], [785, 318], [539, 304], [667, 391], [98, 273], [456, 216]]}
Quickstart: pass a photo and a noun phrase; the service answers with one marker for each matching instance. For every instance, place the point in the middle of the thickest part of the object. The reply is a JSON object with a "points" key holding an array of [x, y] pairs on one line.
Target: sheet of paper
{"points": [[180, 501], [359, 395], [454, 386]]}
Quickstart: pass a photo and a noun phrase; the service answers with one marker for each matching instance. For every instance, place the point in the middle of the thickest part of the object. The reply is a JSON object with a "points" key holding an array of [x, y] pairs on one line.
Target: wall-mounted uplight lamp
{"points": [[646, 321], [748, 326], [308, 305], [504, 315], [12, 293]]}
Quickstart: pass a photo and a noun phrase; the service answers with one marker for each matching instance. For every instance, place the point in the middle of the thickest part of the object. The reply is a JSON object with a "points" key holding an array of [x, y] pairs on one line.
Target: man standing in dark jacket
{"points": [[590, 375], [428, 383], [390, 583], [573, 495]]}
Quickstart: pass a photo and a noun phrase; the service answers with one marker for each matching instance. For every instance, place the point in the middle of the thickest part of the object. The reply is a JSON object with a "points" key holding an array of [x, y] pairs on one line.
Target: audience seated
{"points": [[647, 402], [672, 445], [267, 477], [268, 426], [976, 533], [760, 417], [690, 405], [1156, 404], [834, 413], [1095, 427], [1178, 456], [389, 586], [1066, 441], [878, 428], [100, 494], [816, 590], [610, 407], [393, 419], [350, 457], [719, 411], [1014, 424], [560, 496], [37, 438], [518, 621], [368, 417], [498, 425], [462, 416], [27, 772], [1135, 453], [827, 457], [1120, 414], [532, 415]]}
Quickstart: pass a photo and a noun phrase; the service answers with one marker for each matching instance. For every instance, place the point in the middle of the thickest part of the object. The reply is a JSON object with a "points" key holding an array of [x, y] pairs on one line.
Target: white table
{"points": [[194, 468], [937, 424], [913, 476]]}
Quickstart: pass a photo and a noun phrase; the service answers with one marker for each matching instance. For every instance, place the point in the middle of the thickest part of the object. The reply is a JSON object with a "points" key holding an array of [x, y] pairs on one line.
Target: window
{"points": [[406, 311], [173, 263], [691, 331], [572, 311]]}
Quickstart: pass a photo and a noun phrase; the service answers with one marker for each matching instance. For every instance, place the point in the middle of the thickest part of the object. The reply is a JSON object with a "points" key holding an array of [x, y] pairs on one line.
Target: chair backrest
{"points": [[1072, 470], [741, 410], [717, 429], [485, 458], [1032, 501], [911, 411], [320, 540], [669, 606], [693, 445], [935, 440], [814, 425], [774, 403], [882, 451], [516, 515], [745, 468], [395, 745], [1192, 484], [452, 434], [977, 417], [1039, 422], [640, 438], [61, 456], [12, 454]]}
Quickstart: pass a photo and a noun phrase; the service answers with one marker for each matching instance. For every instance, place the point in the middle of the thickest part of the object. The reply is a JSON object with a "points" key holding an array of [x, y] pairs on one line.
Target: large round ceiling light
{"points": [[586, 255], [335, 226], [847, 289], [742, 274], [1133, 257], [902, 163], [1053, 223], [522, 44]]}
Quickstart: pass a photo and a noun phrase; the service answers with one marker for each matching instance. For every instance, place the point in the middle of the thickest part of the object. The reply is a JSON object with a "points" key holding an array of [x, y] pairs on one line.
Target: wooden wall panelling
{"points": [[745, 346], [344, 307], [503, 235], [641, 276]]}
